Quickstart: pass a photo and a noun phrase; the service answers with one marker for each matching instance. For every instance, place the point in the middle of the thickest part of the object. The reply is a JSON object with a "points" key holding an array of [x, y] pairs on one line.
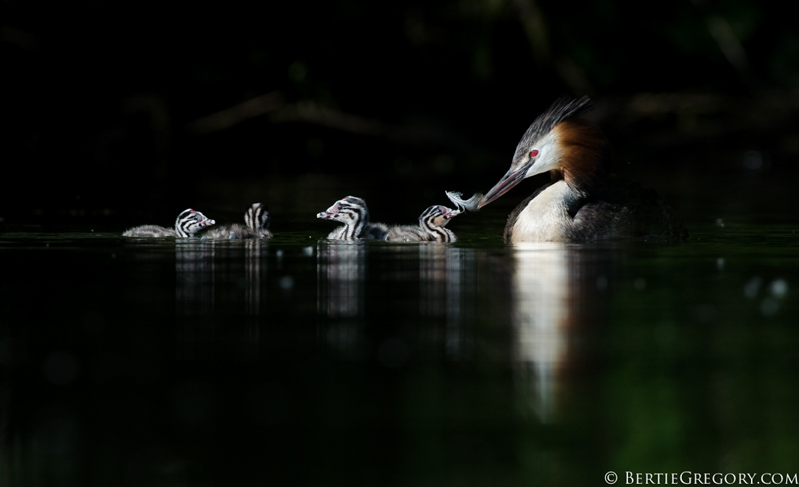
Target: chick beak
{"points": [[329, 213], [448, 214]]}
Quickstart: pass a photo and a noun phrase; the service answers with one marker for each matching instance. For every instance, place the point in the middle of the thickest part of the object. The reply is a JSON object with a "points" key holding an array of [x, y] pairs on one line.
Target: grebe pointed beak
{"points": [[508, 181]]}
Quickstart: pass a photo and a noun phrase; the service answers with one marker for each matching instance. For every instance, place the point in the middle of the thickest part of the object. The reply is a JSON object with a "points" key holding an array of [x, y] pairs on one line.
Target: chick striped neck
{"points": [[256, 217], [357, 219], [432, 221], [190, 222]]}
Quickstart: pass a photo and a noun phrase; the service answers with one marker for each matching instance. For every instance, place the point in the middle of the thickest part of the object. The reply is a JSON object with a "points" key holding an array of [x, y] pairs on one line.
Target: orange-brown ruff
{"points": [[583, 202]]}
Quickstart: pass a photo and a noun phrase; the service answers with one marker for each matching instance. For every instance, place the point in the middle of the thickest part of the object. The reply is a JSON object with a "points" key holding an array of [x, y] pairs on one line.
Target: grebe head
{"points": [[349, 210], [190, 222], [437, 216], [557, 142], [256, 217]]}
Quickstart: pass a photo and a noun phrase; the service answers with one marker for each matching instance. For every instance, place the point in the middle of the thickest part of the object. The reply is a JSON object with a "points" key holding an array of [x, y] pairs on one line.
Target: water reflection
{"points": [[206, 271], [254, 266], [341, 271], [444, 272], [551, 285], [412, 288], [194, 278]]}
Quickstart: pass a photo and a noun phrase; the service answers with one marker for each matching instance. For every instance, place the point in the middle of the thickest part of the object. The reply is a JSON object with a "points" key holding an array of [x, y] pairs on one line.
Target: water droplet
{"points": [[752, 287], [286, 283], [753, 160], [779, 288]]}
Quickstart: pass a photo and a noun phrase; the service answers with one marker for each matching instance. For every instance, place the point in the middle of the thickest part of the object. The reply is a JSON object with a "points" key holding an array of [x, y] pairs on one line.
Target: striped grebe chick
{"points": [[187, 224], [583, 202], [256, 221], [352, 212], [430, 228]]}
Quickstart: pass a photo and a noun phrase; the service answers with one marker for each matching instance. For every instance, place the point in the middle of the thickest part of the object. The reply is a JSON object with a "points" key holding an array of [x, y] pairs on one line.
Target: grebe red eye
{"points": [[533, 153]]}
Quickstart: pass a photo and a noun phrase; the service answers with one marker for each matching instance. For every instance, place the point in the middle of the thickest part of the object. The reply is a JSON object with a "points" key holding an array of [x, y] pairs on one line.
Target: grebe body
{"points": [[583, 202], [431, 227], [188, 223], [353, 213]]}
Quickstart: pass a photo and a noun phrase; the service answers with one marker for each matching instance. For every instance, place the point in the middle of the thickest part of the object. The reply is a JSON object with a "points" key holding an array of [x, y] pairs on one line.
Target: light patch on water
{"points": [[752, 287], [286, 283], [779, 288]]}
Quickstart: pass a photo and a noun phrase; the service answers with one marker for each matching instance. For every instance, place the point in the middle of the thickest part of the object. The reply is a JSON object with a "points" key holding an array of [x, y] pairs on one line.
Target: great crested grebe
{"points": [[584, 202], [430, 228], [256, 221], [352, 212], [187, 224]]}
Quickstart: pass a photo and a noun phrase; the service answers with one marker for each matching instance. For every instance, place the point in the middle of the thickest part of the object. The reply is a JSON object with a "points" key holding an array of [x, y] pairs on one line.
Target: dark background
{"points": [[117, 111]]}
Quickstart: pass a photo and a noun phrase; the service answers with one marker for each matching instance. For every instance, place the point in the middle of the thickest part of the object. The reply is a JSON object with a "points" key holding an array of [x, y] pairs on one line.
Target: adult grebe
{"points": [[352, 212], [584, 202], [430, 228], [187, 224], [256, 221]]}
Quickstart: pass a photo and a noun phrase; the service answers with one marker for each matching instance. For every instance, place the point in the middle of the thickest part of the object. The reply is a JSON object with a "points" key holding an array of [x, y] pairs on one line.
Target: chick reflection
{"points": [[253, 269], [205, 269], [442, 270], [551, 284], [340, 270], [194, 271]]}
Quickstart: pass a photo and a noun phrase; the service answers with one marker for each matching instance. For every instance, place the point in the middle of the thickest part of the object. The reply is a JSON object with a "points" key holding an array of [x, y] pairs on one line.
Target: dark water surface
{"points": [[298, 361]]}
